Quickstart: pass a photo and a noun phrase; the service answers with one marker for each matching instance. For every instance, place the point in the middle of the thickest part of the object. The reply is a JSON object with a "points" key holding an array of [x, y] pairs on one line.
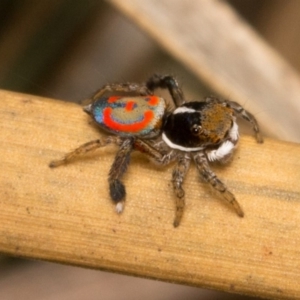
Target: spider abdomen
{"points": [[129, 116]]}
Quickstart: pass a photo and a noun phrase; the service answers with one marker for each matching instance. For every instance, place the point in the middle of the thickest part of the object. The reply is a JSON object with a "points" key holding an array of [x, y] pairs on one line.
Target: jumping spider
{"points": [[199, 131]]}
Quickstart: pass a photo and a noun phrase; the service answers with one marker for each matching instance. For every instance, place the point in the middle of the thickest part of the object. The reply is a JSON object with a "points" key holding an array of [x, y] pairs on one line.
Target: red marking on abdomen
{"points": [[135, 127], [113, 99], [130, 105], [153, 100]]}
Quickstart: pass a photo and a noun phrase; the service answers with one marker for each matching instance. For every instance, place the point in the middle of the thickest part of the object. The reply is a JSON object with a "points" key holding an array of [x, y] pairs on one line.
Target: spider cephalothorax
{"points": [[201, 131]]}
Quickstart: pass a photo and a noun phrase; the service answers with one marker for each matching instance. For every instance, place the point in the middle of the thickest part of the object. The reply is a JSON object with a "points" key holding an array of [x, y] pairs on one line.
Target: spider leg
{"points": [[177, 179], [209, 176], [167, 82], [83, 149], [127, 87], [118, 168], [155, 152], [178, 174], [240, 111]]}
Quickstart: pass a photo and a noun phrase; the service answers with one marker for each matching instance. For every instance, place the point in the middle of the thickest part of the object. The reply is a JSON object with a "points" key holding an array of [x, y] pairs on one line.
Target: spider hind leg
{"points": [[128, 87], [117, 170], [84, 149]]}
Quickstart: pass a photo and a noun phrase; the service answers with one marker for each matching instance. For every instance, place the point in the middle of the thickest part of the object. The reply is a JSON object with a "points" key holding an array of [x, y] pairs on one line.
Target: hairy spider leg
{"points": [[167, 82], [127, 87], [151, 151], [178, 176], [246, 115], [180, 171], [85, 148], [117, 170], [155, 152], [209, 176]]}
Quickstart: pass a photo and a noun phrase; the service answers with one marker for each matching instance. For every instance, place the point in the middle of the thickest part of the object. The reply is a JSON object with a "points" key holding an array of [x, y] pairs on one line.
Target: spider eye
{"points": [[196, 129]]}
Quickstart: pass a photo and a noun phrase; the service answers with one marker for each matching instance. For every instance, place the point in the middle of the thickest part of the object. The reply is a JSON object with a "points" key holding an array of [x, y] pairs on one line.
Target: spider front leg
{"points": [[209, 176], [246, 115], [167, 82], [83, 149]]}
